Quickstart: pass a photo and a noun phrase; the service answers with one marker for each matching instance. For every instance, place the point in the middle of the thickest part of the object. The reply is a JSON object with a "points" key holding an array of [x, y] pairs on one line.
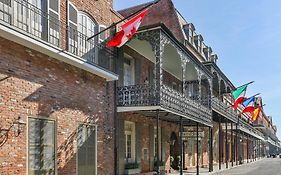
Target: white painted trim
{"points": [[137, 108], [13, 34]]}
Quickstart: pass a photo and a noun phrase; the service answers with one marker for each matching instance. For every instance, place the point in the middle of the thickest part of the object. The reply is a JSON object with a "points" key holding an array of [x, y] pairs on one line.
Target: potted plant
{"points": [[132, 168]]}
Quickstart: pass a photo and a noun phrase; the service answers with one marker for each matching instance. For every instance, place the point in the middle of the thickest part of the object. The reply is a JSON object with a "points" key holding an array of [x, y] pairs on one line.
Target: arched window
{"points": [[80, 27], [86, 25], [86, 28]]}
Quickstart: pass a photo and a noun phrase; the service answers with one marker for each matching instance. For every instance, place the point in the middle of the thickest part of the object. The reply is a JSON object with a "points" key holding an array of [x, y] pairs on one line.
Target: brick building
{"points": [[57, 89], [58, 108]]}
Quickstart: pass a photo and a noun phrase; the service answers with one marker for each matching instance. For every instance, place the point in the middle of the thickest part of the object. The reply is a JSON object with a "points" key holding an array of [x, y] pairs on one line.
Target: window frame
{"points": [[55, 141], [133, 142], [96, 146], [133, 69], [59, 16]]}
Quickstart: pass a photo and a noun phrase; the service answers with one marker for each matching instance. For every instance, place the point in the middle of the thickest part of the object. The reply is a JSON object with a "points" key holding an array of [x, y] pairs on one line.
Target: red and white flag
{"points": [[128, 30]]}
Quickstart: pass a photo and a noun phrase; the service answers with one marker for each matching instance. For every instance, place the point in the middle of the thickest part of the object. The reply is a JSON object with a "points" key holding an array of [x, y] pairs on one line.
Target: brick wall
{"points": [[33, 84], [145, 142]]}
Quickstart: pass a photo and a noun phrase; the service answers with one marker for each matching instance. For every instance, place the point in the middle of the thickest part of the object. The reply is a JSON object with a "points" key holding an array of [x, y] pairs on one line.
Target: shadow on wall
{"points": [[45, 87]]}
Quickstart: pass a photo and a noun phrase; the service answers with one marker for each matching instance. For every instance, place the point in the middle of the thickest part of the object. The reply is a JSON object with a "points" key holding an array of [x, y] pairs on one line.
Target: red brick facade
{"points": [[37, 85]]}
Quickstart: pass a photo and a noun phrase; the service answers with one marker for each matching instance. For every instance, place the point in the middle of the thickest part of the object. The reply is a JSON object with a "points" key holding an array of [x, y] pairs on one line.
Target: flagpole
{"points": [[245, 84], [133, 14], [253, 96]]}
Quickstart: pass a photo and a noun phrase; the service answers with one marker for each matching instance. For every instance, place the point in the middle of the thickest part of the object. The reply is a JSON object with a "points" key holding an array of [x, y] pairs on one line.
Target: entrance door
{"points": [[174, 151]]}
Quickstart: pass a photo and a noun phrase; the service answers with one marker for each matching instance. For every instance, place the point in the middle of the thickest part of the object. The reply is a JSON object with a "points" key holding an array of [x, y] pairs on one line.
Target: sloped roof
{"points": [[162, 12]]}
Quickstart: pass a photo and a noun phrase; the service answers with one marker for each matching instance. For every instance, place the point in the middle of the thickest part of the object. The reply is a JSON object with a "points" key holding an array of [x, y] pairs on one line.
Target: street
{"points": [[267, 166]]}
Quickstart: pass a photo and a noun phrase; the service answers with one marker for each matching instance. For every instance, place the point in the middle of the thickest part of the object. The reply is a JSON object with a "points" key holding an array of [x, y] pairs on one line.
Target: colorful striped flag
{"points": [[239, 95]]}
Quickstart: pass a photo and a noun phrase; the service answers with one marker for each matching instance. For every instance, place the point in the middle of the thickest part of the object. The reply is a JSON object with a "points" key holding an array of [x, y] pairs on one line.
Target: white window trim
{"points": [[55, 142], [100, 25], [133, 141], [126, 56], [68, 21], [58, 13], [96, 147]]}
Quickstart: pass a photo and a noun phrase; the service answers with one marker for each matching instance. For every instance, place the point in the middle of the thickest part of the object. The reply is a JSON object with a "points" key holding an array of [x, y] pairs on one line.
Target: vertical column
{"points": [[181, 147], [236, 143], [197, 140], [219, 143], [226, 147], [247, 148], [232, 150], [158, 141], [210, 149], [158, 48]]}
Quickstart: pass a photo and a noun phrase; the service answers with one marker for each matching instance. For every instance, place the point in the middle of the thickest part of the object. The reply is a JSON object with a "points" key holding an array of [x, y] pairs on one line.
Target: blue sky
{"points": [[246, 36]]}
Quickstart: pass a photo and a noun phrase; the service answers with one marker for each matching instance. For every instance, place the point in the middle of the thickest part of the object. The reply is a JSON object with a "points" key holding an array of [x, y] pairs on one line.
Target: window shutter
{"points": [[41, 146], [86, 142]]}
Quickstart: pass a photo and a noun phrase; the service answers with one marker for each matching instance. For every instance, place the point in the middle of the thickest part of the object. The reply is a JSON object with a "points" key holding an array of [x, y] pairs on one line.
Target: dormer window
{"points": [[189, 32], [199, 43], [207, 53]]}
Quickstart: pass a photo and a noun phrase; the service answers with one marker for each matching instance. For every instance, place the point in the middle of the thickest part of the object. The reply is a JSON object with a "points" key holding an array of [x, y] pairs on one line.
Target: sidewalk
{"points": [[205, 171]]}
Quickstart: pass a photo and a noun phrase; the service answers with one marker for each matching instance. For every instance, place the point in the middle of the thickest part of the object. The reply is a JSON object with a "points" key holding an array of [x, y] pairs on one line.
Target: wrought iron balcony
{"points": [[44, 26], [168, 99], [223, 109]]}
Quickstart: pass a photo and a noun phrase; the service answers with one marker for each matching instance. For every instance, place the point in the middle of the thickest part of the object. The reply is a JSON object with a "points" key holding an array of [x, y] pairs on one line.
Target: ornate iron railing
{"points": [[167, 98], [226, 111], [39, 24], [136, 95]]}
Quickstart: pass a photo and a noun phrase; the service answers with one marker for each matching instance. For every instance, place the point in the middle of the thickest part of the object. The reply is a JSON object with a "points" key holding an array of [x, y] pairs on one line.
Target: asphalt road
{"points": [[267, 166]]}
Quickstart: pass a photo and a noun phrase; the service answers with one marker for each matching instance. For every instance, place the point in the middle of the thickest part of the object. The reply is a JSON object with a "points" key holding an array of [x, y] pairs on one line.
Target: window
{"points": [[81, 26], [72, 29], [190, 35], [87, 149], [199, 45], [129, 71], [130, 142], [54, 23], [41, 146], [86, 28], [5, 9]]}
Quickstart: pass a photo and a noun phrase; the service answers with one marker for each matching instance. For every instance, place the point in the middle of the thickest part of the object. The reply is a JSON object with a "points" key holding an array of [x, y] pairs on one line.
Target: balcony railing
{"points": [[167, 98], [225, 110], [39, 24]]}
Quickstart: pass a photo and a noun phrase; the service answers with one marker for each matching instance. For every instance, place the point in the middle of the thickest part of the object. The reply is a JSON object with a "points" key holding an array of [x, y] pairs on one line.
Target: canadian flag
{"points": [[128, 30]]}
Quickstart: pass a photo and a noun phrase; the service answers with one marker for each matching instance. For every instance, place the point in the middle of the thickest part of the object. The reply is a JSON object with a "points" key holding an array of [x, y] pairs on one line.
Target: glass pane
{"points": [[72, 14], [48, 159], [34, 132], [34, 158], [54, 5]]}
